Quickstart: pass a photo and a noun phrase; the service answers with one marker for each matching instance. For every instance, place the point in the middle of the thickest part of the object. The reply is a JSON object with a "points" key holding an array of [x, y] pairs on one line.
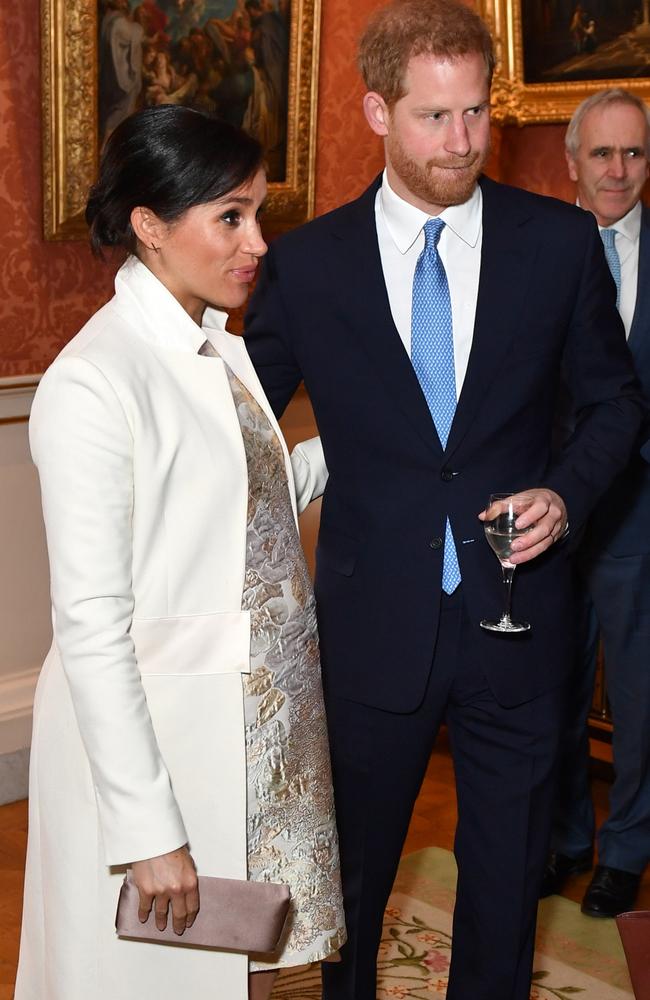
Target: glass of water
{"points": [[501, 532]]}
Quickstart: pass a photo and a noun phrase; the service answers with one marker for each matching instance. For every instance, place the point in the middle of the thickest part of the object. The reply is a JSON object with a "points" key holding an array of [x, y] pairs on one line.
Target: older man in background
{"points": [[607, 149]]}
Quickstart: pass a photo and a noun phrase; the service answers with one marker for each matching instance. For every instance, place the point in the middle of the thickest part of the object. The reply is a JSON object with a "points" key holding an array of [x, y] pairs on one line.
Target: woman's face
{"points": [[209, 256]]}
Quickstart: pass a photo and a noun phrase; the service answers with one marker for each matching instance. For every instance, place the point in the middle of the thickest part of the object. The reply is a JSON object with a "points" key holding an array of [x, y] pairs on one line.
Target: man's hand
{"points": [[549, 517], [170, 878]]}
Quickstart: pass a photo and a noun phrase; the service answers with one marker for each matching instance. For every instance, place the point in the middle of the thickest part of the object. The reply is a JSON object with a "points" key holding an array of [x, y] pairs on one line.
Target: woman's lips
{"points": [[244, 273]]}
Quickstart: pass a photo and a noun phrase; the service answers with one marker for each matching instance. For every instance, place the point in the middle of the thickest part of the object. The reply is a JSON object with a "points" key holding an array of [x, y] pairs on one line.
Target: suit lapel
{"points": [[363, 295], [507, 262], [639, 338]]}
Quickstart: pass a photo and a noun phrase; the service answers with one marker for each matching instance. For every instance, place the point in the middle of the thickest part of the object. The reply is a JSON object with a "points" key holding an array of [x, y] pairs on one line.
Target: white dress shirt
{"points": [[628, 232], [626, 241], [401, 241]]}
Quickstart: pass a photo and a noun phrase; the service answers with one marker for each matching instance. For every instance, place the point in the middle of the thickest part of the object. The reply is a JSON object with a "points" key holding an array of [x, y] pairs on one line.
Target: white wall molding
{"points": [[24, 582], [16, 395], [25, 617]]}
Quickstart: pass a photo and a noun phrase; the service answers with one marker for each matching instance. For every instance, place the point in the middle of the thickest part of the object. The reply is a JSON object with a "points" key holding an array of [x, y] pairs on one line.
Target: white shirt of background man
{"points": [[628, 234]]}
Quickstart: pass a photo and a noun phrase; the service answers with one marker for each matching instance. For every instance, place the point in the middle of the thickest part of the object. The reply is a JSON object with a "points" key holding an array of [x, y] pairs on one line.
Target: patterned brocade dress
{"points": [[291, 823]]}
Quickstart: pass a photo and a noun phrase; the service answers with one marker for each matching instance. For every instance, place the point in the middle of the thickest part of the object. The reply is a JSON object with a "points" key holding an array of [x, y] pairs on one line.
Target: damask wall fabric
{"points": [[533, 157], [48, 290]]}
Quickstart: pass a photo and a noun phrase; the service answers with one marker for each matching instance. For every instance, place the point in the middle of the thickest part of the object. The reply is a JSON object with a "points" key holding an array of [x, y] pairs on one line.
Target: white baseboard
{"points": [[14, 776], [16, 700]]}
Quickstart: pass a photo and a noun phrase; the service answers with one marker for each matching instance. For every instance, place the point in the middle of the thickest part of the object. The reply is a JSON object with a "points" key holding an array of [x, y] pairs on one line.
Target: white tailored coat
{"points": [[138, 742]]}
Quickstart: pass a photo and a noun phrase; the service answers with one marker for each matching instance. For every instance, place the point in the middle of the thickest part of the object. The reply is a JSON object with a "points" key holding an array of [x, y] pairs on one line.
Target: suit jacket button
{"points": [[446, 475], [436, 543]]}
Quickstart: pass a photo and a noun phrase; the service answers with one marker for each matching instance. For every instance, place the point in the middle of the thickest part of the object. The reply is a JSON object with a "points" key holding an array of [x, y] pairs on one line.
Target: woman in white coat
{"points": [[178, 722]]}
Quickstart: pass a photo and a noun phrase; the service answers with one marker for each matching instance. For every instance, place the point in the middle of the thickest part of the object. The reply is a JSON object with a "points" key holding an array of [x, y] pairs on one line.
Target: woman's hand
{"points": [[169, 878]]}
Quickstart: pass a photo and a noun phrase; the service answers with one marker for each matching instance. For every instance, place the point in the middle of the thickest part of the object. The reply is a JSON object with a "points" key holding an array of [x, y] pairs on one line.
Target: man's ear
{"points": [[571, 164], [148, 228], [376, 112]]}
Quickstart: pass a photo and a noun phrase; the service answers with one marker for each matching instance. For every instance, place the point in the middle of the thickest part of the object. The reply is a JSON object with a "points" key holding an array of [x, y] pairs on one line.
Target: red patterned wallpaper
{"points": [[533, 157], [48, 290], [349, 155]]}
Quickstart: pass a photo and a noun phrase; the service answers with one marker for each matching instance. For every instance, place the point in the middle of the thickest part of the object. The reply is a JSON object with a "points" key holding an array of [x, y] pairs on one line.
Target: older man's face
{"points": [[611, 165]]}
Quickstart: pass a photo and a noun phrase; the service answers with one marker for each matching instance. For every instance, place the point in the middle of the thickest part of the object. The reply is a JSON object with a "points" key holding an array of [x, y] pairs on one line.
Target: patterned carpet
{"points": [[576, 957]]}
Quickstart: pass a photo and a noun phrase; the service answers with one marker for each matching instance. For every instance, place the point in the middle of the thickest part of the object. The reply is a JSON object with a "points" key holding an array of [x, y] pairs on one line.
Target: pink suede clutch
{"points": [[234, 916]]}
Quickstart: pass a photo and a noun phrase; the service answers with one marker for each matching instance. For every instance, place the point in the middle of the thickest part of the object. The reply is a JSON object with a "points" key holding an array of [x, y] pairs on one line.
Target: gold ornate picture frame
{"points": [[551, 92], [71, 141]]}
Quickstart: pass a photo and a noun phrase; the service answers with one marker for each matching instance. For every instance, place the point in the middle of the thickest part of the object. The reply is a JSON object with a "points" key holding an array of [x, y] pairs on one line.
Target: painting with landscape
{"points": [[572, 40], [230, 57], [552, 54]]}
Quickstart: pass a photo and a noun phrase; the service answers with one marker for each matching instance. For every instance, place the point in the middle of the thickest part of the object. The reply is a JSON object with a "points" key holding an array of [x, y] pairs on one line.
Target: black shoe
{"points": [[559, 868], [610, 892]]}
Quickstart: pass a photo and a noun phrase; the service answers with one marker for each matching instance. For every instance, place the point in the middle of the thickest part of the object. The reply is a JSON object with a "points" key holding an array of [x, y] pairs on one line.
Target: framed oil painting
{"points": [[551, 54], [252, 62]]}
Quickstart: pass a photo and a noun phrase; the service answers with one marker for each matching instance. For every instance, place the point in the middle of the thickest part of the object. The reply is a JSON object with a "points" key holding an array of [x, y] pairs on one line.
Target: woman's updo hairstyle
{"points": [[167, 158]]}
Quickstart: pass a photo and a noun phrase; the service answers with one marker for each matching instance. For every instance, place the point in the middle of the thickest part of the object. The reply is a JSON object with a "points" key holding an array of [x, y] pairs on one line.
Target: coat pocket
{"points": [[336, 552], [193, 644]]}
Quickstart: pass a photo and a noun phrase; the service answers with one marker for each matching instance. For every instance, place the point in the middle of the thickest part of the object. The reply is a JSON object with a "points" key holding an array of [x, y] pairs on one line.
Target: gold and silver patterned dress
{"points": [[291, 823]]}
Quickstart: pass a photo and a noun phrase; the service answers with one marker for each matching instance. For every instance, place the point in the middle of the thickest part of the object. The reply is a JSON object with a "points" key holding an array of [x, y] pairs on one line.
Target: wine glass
{"points": [[501, 532]]}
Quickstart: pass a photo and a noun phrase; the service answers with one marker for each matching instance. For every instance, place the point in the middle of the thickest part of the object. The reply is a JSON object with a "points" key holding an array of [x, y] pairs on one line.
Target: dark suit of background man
{"points": [[608, 142], [525, 287]]}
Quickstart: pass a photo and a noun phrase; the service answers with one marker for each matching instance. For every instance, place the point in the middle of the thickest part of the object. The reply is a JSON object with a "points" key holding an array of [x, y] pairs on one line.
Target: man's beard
{"points": [[435, 183]]}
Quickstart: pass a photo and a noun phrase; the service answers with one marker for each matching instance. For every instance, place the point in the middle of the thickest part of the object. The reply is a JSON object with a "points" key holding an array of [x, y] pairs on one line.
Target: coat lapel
{"points": [[163, 322], [367, 308], [507, 261]]}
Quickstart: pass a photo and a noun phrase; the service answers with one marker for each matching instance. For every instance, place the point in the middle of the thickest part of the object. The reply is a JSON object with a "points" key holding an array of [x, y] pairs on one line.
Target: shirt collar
{"points": [[405, 222], [629, 226]]}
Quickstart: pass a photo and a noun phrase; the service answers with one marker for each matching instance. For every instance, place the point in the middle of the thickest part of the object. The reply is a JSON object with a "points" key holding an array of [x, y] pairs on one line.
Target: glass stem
{"points": [[508, 573]]}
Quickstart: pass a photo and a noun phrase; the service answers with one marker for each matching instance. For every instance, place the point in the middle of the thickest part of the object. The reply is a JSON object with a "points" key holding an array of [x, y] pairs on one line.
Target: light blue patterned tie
{"points": [[608, 237], [432, 355]]}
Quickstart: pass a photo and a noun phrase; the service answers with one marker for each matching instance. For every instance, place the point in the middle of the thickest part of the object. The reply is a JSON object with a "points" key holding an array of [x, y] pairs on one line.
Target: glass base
{"points": [[505, 624]]}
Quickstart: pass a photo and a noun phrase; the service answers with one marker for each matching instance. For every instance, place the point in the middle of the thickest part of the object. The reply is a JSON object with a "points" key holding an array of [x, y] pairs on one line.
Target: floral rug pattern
{"points": [[416, 946]]}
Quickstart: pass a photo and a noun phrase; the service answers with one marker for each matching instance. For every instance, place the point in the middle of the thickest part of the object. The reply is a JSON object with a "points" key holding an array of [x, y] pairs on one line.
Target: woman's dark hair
{"points": [[167, 158]]}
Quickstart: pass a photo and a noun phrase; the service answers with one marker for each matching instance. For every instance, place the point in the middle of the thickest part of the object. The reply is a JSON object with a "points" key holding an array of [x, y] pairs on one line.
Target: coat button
{"points": [[446, 475], [436, 543]]}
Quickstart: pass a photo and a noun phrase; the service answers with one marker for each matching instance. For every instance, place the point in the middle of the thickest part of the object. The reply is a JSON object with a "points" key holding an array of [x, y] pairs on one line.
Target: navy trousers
{"points": [[504, 760], [613, 601]]}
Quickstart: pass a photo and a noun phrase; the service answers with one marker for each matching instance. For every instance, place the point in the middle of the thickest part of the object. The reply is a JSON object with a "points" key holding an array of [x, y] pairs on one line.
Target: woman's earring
{"points": [[154, 248]]}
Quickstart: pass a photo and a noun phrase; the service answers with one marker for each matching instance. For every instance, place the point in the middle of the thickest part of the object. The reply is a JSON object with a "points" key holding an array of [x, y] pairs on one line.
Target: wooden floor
{"points": [[432, 825]]}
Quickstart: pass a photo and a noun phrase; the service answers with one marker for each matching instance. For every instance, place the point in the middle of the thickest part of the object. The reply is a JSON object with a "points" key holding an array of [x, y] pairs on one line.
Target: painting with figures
{"points": [[573, 40], [230, 57]]}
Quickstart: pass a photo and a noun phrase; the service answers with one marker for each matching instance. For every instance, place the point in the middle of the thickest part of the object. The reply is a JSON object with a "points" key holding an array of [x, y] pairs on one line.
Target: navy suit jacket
{"points": [[321, 313], [621, 521]]}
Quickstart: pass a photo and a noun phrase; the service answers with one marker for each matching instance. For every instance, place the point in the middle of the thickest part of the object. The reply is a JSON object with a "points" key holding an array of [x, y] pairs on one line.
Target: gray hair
{"points": [[603, 98]]}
